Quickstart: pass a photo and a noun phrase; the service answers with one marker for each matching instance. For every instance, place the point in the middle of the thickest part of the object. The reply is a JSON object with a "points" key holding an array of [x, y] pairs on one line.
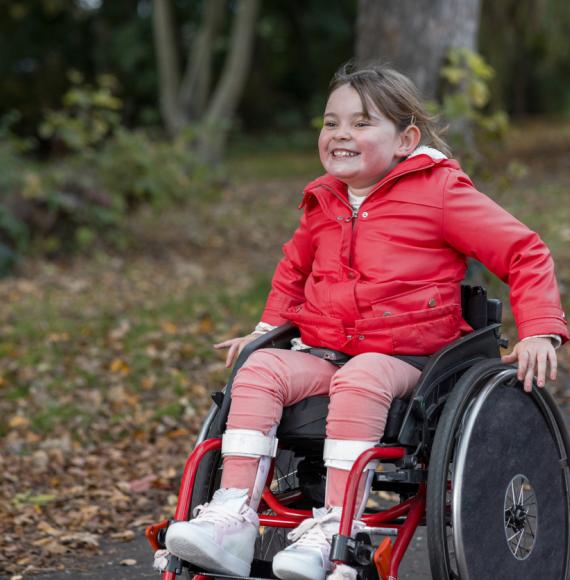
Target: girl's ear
{"points": [[409, 139]]}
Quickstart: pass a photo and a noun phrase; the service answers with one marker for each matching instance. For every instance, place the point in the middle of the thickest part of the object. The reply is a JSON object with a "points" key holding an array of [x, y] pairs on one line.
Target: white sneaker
{"points": [[309, 557], [221, 538], [343, 572]]}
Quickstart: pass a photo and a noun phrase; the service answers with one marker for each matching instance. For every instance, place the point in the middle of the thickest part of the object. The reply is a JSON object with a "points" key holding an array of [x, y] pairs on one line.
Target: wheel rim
{"points": [[521, 517], [521, 495], [463, 435]]}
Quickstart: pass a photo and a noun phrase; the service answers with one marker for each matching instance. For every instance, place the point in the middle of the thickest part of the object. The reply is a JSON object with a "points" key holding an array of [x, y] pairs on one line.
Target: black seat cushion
{"points": [[307, 420]]}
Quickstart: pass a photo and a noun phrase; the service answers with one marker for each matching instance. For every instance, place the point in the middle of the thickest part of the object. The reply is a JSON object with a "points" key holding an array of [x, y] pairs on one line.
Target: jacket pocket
{"points": [[423, 298], [425, 337]]}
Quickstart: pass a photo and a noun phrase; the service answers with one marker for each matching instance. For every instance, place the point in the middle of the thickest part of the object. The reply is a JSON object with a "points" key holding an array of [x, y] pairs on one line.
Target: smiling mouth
{"points": [[343, 153]]}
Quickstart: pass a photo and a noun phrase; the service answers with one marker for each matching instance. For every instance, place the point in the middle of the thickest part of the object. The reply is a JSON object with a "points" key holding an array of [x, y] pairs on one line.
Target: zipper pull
{"points": [[354, 216]]}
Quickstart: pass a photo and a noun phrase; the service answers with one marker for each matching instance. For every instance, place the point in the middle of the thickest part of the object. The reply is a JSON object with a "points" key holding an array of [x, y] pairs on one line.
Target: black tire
{"points": [[482, 453]]}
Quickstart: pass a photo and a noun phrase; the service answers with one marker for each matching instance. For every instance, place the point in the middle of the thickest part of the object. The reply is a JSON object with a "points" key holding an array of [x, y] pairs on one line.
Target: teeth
{"points": [[344, 153]]}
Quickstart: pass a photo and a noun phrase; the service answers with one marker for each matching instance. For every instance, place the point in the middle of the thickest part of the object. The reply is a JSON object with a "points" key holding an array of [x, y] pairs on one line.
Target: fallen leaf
{"points": [[47, 529], [18, 421], [126, 535], [81, 538], [144, 520], [120, 367], [181, 432], [128, 562], [140, 485], [206, 325], [169, 327]]}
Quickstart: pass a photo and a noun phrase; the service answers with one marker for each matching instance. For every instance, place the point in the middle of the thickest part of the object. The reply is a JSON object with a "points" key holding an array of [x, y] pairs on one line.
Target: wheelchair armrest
{"points": [[451, 360], [279, 337]]}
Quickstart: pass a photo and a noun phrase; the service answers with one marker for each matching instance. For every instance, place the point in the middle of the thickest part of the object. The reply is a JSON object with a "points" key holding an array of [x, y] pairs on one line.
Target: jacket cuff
{"points": [[263, 328], [544, 326]]}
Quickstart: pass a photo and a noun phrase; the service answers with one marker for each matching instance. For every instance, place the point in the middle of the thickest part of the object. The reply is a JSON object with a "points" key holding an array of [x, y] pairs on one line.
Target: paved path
{"points": [[414, 567]]}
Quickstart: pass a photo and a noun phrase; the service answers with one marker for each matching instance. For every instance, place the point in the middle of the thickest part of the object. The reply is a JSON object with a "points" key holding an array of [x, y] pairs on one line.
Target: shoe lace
{"points": [[311, 532], [216, 514]]}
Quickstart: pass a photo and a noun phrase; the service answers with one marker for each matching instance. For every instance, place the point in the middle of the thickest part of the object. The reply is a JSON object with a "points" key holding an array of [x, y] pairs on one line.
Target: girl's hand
{"points": [[236, 345], [532, 355]]}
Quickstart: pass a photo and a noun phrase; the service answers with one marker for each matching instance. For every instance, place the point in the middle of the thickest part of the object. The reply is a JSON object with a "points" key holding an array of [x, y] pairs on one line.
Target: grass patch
{"points": [[266, 165]]}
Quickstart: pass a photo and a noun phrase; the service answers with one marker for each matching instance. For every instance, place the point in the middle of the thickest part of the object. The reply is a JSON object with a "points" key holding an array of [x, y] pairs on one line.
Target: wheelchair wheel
{"points": [[498, 499], [285, 480]]}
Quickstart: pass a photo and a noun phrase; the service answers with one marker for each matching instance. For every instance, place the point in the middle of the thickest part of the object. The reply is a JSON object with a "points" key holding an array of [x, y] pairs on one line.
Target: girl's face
{"points": [[356, 149]]}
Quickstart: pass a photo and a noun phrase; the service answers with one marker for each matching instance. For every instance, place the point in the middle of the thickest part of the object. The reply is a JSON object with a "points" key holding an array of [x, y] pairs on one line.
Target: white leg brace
{"points": [[342, 454], [254, 444]]}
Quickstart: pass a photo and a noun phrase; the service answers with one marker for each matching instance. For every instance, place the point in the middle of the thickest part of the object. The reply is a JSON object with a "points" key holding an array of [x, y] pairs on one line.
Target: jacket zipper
{"points": [[354, 214], [353, 218]]}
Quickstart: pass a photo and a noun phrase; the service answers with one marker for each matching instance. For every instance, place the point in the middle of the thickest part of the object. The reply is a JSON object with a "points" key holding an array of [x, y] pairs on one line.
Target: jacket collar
{"points": [[421, 159]]}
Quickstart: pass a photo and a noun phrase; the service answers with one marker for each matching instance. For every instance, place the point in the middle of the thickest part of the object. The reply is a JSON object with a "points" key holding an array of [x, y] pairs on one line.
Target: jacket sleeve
{"points": [[479, 228], [288, 284]]}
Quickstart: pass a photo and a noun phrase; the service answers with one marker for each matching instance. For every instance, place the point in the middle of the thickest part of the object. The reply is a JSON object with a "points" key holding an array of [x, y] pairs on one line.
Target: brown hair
{"points": [[395, 96]]}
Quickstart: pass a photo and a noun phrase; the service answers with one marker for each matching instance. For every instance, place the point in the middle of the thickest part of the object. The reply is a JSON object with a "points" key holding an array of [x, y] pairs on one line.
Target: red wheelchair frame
{"points": [[387, 557]]}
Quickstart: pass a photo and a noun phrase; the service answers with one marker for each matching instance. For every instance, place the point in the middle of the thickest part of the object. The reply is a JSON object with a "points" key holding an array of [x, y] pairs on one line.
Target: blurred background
{"points": [[152, 155]]}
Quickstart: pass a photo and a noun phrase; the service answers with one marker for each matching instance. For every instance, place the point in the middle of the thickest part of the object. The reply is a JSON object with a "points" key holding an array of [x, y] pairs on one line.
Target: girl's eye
{"points": [[329, 124], [362, 124]]}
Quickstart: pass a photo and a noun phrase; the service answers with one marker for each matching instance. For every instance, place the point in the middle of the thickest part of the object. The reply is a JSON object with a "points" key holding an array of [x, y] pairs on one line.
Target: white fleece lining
{"points": [[429, 151]]}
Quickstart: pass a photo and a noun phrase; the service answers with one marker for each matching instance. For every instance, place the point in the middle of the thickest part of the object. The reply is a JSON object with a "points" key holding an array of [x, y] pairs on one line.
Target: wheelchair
{"points": [[469, 454]]}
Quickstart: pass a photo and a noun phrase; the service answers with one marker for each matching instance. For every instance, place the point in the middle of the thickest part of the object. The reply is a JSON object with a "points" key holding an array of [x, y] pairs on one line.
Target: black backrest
{"points": [[478, 310], [440, 375]]}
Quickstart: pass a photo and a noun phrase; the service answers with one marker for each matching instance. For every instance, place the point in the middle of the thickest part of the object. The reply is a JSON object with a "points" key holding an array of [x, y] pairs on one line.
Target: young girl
{"points": [[373, 270]]}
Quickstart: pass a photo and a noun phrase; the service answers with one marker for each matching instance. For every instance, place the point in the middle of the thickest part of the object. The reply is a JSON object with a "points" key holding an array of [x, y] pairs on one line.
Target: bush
{"points": [[464, 103], [90, 114], [103, 173], [136, 170]]}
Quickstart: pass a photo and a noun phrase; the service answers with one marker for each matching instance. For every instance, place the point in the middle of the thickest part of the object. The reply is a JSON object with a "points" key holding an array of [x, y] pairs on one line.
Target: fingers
{"points": [[231, 354], [553, 360], [533, 358], [522, 357], [529, 371], [227, 343], [235, 345], [541, 369]]}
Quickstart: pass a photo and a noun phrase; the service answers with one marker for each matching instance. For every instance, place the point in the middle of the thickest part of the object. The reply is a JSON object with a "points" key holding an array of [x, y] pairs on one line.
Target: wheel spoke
{"points": [[519, 542]]}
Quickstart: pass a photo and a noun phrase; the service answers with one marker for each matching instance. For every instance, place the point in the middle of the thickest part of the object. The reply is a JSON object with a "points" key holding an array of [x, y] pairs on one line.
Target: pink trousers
{"points": [[360, 396]]}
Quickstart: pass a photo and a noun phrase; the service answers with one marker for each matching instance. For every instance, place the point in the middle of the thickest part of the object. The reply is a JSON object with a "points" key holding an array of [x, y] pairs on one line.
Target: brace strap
{"points": [[342, 454], [248, 443]]}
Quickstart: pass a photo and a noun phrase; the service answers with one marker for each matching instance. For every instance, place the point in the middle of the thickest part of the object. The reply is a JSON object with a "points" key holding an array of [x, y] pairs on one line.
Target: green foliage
{"points": [[83, 200], [135, 169], [90, 114], [464, 104]]}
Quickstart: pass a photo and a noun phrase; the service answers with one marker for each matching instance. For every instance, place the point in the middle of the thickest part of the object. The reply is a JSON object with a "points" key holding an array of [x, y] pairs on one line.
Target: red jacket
{"points": [[388, 279]]}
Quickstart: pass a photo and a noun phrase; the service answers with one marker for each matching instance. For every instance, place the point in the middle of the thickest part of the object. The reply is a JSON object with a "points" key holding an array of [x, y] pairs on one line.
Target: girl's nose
{"points": [[342, 133]]}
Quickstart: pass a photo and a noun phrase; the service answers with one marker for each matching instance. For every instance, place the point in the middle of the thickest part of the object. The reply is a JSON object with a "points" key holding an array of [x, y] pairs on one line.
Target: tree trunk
{"points": [[218, 118], [414, 36], [168, 65], [195, 87]]}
